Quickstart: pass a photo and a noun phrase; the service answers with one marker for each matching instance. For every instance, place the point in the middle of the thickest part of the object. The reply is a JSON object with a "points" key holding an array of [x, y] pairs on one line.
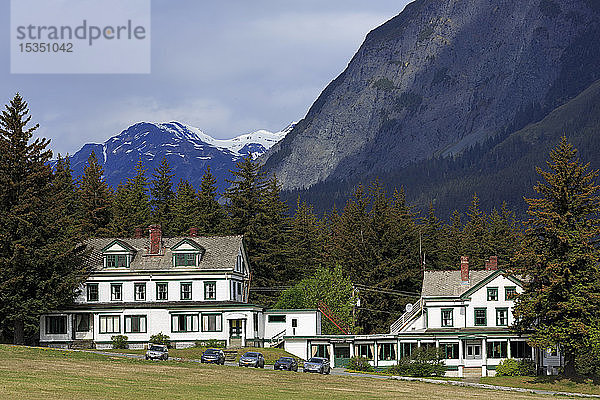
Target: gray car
{"points": [[157, 352], [317, 364], [252, 359]]}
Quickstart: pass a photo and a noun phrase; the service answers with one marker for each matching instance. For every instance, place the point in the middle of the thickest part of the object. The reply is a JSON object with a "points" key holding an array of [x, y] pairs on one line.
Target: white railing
{"points": [[278, 338], [406, 317]]}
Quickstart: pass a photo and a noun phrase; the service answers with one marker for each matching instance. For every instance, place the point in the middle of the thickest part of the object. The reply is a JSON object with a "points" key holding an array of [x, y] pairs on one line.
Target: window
{"points": [[210, 290], [92, 292], [162, 291], [447, 317], [186, 291], [319, 350], [110, 324], [294, 322], [135, 324], [116, 291], [116, 261], [520, 349], [480, 317], [492, 294], [185, 259], [365, 350], [212, 323], [497, 350], [139, 291], [450, 350], [276, 318], [510, 293], [82, 322], [406, 349], [473, 351], [255, 320], [56, 324], [239, 288], [184, 323], [387, 351], [501, 316]]}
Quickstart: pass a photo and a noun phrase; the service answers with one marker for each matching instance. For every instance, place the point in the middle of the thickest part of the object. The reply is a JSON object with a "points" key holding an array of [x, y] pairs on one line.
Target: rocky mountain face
{"points": [[187, 149], [438, 78]]}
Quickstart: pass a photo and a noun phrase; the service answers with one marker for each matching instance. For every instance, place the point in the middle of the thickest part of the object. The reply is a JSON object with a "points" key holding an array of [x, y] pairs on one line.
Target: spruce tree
{"points": [[95, 200], [432, 242], [559, 261], [211, 217], [306, 242], [40, 255], [185, 208], [475, 235], [244, 195], [161, 190], [139, 200]]}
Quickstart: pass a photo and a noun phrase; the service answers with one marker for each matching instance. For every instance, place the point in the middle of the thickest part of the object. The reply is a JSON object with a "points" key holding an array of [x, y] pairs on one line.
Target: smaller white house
{"points": [[466, 313], [191, 288]]}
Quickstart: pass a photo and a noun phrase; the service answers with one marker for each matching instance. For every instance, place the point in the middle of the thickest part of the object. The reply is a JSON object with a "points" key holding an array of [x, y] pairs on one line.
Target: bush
{"points": [[359, 364], [423, 362], [119, 342], [512, 367], [160, 338], [212, 343]]}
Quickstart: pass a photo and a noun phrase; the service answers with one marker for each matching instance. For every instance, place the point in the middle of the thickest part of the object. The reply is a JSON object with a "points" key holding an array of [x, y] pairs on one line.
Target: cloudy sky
{"points": [[226, 66]]}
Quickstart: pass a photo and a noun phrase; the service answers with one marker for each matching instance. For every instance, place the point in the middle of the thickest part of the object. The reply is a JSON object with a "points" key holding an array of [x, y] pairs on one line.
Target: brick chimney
{"points": [[138, 233], [194, 232], [492, 265], [464, 269], [155, 239]]}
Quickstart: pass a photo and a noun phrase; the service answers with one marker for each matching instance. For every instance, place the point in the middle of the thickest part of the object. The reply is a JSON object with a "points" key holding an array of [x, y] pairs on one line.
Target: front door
{"points": [[473, 350], [341, 355], [235, 333]]}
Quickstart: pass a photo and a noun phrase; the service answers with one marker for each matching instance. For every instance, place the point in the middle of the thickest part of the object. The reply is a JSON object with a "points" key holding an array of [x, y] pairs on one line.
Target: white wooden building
{"points": [[466, 313], [190, 288]]}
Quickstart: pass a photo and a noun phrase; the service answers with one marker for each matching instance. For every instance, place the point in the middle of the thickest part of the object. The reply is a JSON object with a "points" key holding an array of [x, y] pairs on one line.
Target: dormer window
{"points": [[186, 260], [118, 254], [187, 253], [116, 261]]}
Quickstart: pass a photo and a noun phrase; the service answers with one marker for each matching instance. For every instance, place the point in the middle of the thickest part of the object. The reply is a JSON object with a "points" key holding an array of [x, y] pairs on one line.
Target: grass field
{"points": [[552, 383], [33, 373], [194, 353]]}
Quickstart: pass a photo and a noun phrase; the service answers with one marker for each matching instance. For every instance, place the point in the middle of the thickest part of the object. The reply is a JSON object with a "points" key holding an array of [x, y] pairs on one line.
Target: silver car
{"points": [[157, 352], [317, 364]]}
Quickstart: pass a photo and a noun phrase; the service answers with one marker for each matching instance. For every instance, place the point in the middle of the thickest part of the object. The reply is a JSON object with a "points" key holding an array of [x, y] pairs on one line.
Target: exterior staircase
{"points": [[406, 317], [82, 344], [230, 355]]}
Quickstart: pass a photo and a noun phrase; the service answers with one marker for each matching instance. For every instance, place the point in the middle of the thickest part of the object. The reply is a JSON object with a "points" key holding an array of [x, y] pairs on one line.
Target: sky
{"points": [[227, 67]]}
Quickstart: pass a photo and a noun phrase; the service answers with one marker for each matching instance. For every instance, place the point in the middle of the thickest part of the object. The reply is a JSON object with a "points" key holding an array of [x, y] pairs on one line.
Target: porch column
{"points": [[331, 355], [461, 356], [244, 333], [483, 357], [508, 353], [351, 349]]}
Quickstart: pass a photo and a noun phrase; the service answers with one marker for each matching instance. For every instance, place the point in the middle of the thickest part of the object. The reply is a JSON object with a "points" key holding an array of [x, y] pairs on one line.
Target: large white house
{"points": [[466, 313], [190, 288]]}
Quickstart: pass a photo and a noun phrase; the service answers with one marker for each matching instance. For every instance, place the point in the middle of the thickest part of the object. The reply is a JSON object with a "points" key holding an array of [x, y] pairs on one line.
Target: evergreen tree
{"points": [[244, 194], [161, 190], [452, 247], [185, 208], [559, 262], [40, 257], [139, 200], [475, 235], [505, 234], [211, 218], [305, 243], [66, 204], [432, 242], [120, 224], [95, 200]]}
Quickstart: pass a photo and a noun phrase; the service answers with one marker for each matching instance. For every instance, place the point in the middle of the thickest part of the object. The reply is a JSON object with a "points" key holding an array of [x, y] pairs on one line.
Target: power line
{"points": [[387, 291]]}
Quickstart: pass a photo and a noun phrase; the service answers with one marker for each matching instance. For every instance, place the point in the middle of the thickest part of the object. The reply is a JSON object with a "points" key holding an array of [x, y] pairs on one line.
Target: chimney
{"points": [[194, 232], [492, 265], [155, 239], [464, 269], [139, 233]]}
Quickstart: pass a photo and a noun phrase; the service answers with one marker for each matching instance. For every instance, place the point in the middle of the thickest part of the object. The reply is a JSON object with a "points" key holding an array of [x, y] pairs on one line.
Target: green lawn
{"points": [[34, 373], [553, 383], [194, 353]]}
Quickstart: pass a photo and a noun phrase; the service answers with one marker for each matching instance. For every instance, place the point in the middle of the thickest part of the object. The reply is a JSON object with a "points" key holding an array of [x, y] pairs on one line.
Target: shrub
{"points": [[359, 364], [212, 343], [119, 342], [160, 338], [422, 362], [512, 367]]}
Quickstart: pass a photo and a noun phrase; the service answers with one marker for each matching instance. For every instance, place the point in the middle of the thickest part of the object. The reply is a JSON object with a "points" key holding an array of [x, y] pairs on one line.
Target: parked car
{"points": [[286, 363], [317, 364], [252, 359], [213, 356], [157, 352]]}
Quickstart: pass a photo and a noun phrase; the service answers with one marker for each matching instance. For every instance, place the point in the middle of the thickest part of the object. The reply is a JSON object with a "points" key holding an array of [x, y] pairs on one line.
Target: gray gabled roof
{"points": [[221, 252], [449, 283]]}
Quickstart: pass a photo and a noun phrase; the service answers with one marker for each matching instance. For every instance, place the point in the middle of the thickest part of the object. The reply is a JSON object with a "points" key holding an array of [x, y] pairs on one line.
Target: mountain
{"points": [[440, 80], [188, 150]]}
